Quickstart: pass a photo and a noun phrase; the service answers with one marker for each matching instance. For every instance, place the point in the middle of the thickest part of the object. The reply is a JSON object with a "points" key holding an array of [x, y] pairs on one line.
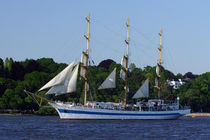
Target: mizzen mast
{"points": [[126, 65], [87, 56]]}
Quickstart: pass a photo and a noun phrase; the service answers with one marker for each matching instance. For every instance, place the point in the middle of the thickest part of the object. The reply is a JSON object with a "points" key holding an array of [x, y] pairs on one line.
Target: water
{"points": [[51, 127]]}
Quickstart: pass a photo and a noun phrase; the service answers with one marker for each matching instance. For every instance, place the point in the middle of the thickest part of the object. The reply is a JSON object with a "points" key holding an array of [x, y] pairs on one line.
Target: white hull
{"points": [[67, 111]]}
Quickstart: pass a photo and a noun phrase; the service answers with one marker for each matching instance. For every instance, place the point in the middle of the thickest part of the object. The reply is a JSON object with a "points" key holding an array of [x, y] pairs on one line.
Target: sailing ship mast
{"points": [[126, 65], [159, 64], [87, 56]]}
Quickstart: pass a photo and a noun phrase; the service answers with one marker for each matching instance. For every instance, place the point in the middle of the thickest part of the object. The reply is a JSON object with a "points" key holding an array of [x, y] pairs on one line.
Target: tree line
{"points": [[33, 74]]}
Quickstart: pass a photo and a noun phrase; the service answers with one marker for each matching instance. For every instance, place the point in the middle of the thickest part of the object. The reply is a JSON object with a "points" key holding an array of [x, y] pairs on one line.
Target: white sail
{"points": [[84, 61], [72, 85], [60, 78], [123, 65], [158, 70], [143, 90], [68, 86], [59, 89], [110, 81], [122, 74], [124, 61]]}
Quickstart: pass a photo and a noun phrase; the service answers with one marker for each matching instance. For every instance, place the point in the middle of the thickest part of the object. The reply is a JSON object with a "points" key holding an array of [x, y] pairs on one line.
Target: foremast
{"points": [[159, 64], [87, 56], [126, 65]]}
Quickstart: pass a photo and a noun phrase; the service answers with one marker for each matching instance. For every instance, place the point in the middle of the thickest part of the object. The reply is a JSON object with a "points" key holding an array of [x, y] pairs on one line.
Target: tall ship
{"points": [[66, 82]]}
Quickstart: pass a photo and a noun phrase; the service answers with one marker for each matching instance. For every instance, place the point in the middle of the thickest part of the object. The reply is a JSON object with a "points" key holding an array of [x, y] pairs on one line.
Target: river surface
{"points": [[51, 127]]}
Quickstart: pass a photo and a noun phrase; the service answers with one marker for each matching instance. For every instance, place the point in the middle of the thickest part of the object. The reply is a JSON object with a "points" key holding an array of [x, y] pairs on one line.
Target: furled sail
{"points": [[84, 61], [68, 86], [110, 81], [123, 64], [158, 70], [143, 90], [60, 78], [124, 61]]}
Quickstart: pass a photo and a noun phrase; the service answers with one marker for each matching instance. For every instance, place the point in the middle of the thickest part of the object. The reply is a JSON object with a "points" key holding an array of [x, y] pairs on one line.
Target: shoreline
{"points": [[21, 114], [15, 114], [198, 115]]}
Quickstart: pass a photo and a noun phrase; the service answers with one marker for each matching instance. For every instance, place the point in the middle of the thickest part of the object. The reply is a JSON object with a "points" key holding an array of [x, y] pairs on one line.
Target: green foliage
{"points": [[33, 74], [34, 80], [1, 63], [46, 110], [47, 65], [179, 76], [6, 63], [6, 84], [1, 68], [132, 66], [196, 93], [30, 75]]}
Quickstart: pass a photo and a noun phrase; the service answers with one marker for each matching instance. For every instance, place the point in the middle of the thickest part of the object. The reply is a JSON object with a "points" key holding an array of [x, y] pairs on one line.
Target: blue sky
{"points": [[52, 28]]}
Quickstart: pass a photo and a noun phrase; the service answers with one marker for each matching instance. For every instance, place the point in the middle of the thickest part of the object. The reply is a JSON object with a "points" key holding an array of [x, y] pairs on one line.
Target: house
{"points": [[175, 84]]}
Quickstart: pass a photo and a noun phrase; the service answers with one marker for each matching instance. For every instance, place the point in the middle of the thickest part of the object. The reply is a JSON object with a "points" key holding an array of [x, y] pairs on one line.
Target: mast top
{"points": [[127, 24], [127, 40], [88, 33], [88, 18], [160, 49], [160, 32]]}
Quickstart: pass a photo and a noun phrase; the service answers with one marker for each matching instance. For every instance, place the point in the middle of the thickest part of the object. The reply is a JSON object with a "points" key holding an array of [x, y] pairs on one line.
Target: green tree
{"points": [[132, 66], [34, 80], [179, 76], [6, 63], [2, 68]]}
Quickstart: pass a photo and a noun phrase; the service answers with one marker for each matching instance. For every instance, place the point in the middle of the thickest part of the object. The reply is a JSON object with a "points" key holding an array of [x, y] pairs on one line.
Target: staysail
{"points": [[68, 86], [143, 91], [110, 81], [72, 85], [59, 89], [60, 78]]}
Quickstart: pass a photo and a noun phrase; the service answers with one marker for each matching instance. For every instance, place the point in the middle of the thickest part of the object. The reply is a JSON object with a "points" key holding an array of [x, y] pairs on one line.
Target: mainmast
{"points": [[126, 65], [159, 64], [87, 56]]}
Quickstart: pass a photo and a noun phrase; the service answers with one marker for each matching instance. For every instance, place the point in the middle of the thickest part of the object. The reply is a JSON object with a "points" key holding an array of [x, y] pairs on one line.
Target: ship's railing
{"points": [[131, 108], [134, 107]]}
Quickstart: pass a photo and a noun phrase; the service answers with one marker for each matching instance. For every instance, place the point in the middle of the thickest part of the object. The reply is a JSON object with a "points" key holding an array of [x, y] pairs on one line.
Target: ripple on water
{"points": [[51, 127]]}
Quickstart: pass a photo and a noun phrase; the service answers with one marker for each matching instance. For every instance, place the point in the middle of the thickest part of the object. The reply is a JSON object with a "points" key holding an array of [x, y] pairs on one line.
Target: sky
{"points": [[52, 28]]}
